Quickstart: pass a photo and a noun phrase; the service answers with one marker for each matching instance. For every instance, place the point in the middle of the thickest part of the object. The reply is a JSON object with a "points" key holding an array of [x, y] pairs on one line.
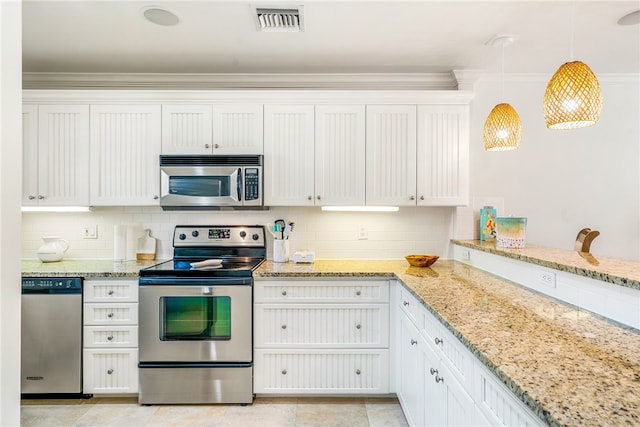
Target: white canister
{"points": [[280, 250]]}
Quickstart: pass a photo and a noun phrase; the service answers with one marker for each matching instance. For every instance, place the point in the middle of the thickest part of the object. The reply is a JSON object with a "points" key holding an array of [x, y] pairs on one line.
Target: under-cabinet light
{"points": [[56, 209], [360, 208]]}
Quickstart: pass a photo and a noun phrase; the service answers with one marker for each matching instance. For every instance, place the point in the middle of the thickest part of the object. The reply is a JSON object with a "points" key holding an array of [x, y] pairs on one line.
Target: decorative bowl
{"points": [[421, 260]]}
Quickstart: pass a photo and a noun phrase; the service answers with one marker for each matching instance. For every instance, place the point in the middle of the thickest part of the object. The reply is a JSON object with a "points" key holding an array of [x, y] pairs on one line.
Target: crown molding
{"points": [[158, 81]]}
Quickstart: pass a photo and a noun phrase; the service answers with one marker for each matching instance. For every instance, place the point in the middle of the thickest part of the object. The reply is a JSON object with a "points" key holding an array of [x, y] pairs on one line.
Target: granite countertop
{"points": [[612, 270], [87, 268], [569, 366]]}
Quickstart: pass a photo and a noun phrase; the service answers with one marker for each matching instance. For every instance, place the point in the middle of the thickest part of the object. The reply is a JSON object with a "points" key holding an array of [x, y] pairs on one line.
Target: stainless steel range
{"points": [[196, 317]]}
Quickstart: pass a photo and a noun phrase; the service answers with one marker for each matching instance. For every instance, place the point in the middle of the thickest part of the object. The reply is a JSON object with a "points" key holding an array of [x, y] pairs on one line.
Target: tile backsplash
{"points": [[332, 235]]}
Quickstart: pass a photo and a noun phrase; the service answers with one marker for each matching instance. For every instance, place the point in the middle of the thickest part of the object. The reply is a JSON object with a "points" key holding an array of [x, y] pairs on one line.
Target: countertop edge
{"points": [[518, 254]]}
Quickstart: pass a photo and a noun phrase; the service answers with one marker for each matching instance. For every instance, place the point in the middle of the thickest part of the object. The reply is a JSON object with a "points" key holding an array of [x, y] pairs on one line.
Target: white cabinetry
{"points": [[212, 129], [110, 336], [55, 155], [391, 155], [288, 155], [340, 155], [125, 147], [440, 382], [443, 155], [321, 337]]}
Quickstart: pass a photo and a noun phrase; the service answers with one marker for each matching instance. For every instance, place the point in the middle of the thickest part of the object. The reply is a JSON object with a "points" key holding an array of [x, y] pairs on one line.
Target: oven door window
{"points": [[195, 318], [201, 186]]}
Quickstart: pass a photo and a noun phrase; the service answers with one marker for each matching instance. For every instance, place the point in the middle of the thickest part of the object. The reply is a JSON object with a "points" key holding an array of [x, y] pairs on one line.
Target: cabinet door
{"points": [[63, 155], [29, 155], [187, 129], [410, 385], [288, 155], [391, 155], [340, 155], [435, 398], [125, 148], [110, 371], [443, 155], [238, 129]]}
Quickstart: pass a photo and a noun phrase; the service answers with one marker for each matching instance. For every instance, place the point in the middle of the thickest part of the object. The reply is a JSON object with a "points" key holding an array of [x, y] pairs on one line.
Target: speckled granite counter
{"points": [[612, 270], [87, 268], [568, 366]]}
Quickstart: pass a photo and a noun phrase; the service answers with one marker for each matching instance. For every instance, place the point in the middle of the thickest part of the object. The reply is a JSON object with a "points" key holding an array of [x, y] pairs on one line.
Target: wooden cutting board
{"points": [[146, 246]]}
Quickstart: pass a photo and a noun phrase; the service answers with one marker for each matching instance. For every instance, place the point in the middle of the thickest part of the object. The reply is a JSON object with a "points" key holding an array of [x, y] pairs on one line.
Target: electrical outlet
{"points": [[547, 278], [363, 234], [465, 254], [91, 232]]}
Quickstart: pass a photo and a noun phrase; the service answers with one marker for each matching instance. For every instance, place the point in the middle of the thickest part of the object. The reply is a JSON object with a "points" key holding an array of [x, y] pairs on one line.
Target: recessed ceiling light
{"points": [[160, 16], [632, 18]]}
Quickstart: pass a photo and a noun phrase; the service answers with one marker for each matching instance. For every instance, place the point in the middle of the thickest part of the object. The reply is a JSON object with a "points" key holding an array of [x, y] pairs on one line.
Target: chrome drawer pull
{"points": [[110, 315], [439, 379], [111, 292], [414, 342], [438, 341], [284, 293], [110, 338], [405, 303], [433, 371]]}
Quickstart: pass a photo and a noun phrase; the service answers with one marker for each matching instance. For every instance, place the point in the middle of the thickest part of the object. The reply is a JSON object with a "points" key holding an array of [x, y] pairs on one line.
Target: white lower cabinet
{"points": [[321, 336], [110, 337], [440, 382]]}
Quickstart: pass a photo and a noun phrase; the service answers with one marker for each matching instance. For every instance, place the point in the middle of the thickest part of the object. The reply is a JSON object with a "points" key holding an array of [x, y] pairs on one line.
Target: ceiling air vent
{"points": [[285, 20]]}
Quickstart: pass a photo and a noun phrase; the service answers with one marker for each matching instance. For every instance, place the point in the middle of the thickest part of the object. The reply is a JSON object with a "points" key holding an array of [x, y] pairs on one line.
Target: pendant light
{"points": [[502, 129], [573, 98]]}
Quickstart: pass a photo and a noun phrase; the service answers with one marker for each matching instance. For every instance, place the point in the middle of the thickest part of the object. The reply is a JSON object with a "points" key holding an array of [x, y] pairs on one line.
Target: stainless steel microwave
{"points": [[210, 182]]}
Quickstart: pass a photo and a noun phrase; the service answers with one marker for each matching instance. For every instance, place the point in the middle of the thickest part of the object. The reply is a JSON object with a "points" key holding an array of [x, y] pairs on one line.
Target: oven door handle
{"points": [[181, 281]]}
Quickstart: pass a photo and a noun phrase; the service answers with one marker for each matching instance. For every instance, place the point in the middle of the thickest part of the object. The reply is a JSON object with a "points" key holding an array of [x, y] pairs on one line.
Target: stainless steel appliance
{"points": [[196, 315], [211, 182], [51, 334]]}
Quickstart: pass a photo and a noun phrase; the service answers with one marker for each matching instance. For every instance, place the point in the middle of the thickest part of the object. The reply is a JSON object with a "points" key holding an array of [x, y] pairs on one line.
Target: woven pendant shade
{"points": [[502, 129], [573, 98]]}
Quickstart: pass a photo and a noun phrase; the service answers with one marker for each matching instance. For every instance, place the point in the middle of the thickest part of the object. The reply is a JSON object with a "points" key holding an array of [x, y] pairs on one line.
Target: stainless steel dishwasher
{"points": [[51, 336]]}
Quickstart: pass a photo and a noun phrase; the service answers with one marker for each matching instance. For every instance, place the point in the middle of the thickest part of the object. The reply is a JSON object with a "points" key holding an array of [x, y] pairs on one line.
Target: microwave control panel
{"points": [[251, 184]]}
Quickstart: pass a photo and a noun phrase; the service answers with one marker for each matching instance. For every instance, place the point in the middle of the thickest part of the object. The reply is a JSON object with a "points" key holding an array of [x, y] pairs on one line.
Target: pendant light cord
{"points": [[502, 74], [572, 30]]}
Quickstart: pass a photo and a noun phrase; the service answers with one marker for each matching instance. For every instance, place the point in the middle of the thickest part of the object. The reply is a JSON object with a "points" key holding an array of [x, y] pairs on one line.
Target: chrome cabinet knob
{"points": [[438, 341], [358, 326], [284, 372], [110, 292], [357, 371], [421, 197], [412, 197], [284, 326], [284, 293], [31, 197], [110, 315], [318, 197], [405, 303], [309, 197], [156, 197], [439, 379], [216, 145], [358, 293], [40, 197], [207, 146], [414, 342], [110, 371], [110, 338], [433, 371]]}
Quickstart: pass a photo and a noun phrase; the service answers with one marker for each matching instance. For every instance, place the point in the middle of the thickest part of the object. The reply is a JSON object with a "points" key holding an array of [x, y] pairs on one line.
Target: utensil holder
{"points": [[280, 250]]}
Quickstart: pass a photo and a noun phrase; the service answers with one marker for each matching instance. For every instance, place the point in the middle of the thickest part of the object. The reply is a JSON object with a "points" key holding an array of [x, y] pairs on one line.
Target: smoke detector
{"points": [[279, 19]]}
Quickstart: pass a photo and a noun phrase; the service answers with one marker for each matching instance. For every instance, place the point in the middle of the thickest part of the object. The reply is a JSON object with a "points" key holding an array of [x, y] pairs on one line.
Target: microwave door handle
{"points": [[239, 184]]}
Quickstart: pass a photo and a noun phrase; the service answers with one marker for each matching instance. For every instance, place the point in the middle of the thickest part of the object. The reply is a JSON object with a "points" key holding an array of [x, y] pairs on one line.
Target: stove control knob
{"points": [[243, 234], [195, 233], [255, 236], [182, 236]]}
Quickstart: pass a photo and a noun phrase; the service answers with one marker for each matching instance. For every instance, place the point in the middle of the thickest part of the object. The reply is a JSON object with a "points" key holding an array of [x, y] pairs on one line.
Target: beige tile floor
{"points": [[264, 412]]}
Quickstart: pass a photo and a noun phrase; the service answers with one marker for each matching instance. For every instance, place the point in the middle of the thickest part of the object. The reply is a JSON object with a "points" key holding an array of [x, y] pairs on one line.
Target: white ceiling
{"points": [[339, 37]]}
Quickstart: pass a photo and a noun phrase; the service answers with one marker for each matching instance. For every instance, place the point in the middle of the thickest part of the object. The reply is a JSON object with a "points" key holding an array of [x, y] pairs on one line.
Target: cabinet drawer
{"points": [[110, 291], [110, 314], [110, 371], [321, 371], [110, 336], [334, 291], [411, 306], [321, 325]]}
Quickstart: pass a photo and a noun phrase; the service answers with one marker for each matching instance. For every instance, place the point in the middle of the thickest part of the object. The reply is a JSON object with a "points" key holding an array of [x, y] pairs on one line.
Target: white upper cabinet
{"points": [[125, 149], [443, 155], [288, 155], [391, 155], [212, 129], [340, 155], [55, 155], [187, 129]]}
